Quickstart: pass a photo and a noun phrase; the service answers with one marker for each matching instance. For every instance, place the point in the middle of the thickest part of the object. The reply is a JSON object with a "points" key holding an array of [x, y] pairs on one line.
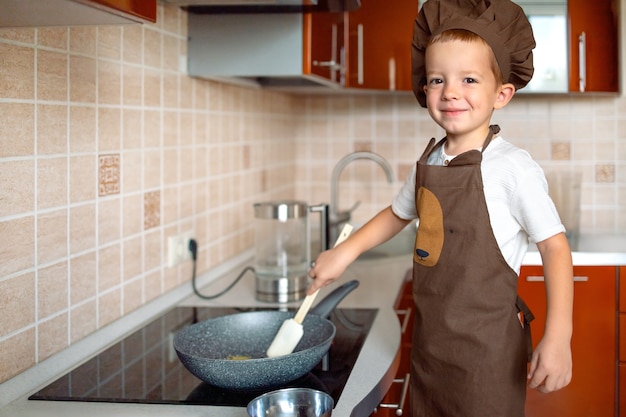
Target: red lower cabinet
{"points": [[592, 392], [621, 402]]}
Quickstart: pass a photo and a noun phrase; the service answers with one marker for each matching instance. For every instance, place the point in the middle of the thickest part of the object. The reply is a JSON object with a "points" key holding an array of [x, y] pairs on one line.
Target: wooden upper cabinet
{"points": [[379, 45], [36, 13], [142, 9], [594, 42], [323, 47]]}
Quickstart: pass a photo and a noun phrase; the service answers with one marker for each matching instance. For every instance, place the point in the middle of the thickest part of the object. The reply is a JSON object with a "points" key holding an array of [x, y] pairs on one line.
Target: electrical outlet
{"points": [[178, 249]]}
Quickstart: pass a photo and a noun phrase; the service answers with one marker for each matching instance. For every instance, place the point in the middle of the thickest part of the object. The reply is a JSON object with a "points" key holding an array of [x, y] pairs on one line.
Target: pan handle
{"points": [[328, 304]]}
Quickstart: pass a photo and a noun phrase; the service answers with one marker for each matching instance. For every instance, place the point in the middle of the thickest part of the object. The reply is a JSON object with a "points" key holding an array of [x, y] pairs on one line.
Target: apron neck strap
{"points": [[433, 144], [493, 130]]}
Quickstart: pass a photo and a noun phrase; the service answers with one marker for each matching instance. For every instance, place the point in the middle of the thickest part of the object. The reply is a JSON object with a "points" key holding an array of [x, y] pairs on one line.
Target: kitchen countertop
{"points": [[587, 250], [380, 282], [376, 366]]}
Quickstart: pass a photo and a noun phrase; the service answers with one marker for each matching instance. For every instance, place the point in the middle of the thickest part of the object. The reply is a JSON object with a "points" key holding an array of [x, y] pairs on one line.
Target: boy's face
{"points": [[461, 88]]}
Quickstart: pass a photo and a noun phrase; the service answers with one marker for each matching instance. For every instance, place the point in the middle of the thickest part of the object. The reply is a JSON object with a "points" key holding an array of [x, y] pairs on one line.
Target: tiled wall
{"points": [[107, 149], [578, 134]]}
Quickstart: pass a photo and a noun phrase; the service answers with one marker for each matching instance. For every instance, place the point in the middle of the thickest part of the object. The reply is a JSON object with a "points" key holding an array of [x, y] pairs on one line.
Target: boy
{"points": [[478, 199]]}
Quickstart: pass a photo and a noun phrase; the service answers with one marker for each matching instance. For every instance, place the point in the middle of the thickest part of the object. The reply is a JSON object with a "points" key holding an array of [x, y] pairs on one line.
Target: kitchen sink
{"points": [[401, 244]]}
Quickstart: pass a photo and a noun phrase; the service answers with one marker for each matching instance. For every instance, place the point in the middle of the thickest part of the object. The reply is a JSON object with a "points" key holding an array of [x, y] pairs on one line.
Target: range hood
{"points": [[262, 50], [266, 6]]}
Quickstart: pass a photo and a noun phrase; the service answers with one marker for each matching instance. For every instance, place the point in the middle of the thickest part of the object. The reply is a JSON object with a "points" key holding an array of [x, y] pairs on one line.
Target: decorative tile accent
{"points": [[561, 151], [605, 173], [108, 174], [151, 209]]}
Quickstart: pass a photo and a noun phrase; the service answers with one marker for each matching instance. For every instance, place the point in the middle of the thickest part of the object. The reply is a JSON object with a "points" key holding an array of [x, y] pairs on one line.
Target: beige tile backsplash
{"points": [[107, 148]]}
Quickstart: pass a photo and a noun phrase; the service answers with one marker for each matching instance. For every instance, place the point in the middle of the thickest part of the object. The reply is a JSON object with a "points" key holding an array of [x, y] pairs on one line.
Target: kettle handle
{"points": [[324, 224]]}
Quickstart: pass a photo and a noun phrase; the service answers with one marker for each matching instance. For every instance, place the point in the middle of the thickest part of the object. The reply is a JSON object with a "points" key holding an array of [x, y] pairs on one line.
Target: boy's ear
{"points": [[505, 94]]}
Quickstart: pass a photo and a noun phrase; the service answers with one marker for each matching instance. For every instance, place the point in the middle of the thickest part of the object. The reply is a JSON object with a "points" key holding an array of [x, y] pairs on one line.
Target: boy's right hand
{"points": [[328, 267]]}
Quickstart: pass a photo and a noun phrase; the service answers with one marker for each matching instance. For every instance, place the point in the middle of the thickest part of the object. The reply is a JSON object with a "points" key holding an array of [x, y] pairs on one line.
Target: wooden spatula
{"points": [[291, 330]]}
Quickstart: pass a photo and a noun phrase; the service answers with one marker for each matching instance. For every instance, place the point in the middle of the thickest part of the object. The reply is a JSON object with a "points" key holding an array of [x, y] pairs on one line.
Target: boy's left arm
{"points": [[551, 363]]}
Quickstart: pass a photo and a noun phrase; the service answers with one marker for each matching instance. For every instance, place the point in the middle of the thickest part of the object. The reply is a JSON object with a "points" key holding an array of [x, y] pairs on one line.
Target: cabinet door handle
{"points": [[405, 389], [407, 316], [360, 77], [333, 53], [332, 65], [582, 61], [534, 278], [392, 74]]}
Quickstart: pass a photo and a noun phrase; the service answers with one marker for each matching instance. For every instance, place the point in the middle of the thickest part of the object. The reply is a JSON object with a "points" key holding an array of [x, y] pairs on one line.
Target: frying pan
{"points": [[206, 349]]}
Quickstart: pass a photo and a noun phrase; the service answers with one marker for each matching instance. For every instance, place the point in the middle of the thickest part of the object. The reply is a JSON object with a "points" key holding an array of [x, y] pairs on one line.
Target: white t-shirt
{"points": [[517, 198]]}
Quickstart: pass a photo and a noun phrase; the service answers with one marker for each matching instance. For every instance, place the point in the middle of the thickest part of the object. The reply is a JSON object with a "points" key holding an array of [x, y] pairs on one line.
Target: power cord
{"points": [[193, 248]]}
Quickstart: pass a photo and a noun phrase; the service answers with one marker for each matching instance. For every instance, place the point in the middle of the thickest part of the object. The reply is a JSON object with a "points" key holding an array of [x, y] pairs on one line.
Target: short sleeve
{"points": [[403, 204]]}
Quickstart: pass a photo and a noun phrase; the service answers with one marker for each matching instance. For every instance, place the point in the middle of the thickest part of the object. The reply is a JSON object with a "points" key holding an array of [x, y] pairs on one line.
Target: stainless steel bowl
{"points": [[292, 402]]}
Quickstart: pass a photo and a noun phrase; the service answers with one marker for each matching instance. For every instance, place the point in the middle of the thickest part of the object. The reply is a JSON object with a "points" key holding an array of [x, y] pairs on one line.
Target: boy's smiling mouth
{"points": [[452, 111]]}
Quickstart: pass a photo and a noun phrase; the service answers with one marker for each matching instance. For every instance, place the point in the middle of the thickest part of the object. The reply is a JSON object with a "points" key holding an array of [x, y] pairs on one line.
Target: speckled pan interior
{"points": [[204, 348]]}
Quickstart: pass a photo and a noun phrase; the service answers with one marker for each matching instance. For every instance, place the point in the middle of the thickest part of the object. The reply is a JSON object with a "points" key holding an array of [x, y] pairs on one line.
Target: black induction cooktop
{"points": [[143, 367]]}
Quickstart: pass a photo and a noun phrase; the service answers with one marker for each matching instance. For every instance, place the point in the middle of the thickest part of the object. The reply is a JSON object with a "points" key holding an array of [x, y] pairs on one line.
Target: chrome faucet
{"points": [[337, 218]]}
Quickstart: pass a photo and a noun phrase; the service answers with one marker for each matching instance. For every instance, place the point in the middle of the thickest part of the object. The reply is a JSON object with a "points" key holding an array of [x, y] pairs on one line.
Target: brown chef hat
{"points": [[501, 23]]}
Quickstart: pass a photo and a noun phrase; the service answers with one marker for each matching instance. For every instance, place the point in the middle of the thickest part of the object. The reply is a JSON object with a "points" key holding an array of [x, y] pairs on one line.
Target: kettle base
{"points": [[281, 289]]}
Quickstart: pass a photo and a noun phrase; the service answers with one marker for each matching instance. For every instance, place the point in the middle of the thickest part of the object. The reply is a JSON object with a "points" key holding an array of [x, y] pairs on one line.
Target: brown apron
{"points": [[469, 351]]}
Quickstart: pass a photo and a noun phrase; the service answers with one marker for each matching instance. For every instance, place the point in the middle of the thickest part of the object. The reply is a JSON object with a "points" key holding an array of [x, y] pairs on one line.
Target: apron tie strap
{"points": [[528, 316]]}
